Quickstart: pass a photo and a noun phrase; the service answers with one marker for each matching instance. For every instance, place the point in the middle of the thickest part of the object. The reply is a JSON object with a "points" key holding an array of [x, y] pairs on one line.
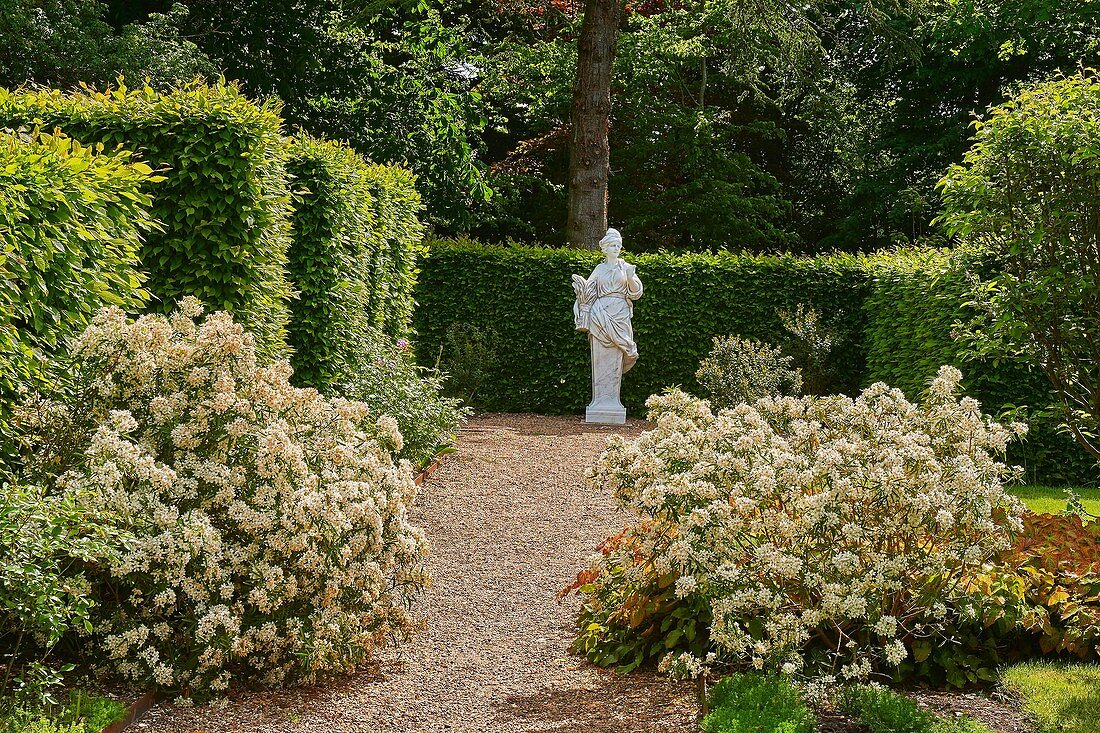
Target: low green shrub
{"points": [[882, 710], [809, 342], [83, 712], [744, 370], [753, 703], [353, 258], [71, 224], [46, 540], [222, 198], [468, 355]]}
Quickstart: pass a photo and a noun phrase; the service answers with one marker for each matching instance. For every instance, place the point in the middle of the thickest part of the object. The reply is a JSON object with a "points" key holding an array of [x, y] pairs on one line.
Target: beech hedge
{"points": [[353, 258], [525, 296], [917, 298], [222, 196], [893, 314], [71, 222]]}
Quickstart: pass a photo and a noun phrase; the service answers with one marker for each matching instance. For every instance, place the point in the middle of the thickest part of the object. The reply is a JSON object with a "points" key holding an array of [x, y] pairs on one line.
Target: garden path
{"points": [[510, 521]]}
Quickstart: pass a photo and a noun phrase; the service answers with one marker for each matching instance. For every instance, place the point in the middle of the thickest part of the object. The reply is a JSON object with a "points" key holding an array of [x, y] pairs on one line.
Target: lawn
{"points": [[1063, 698], [1052, 499]]}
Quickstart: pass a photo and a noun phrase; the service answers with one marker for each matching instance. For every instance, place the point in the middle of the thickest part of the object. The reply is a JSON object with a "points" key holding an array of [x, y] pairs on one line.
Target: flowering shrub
{"points": [[744, 370], [387, 378], [827, 535], [271, 540]]}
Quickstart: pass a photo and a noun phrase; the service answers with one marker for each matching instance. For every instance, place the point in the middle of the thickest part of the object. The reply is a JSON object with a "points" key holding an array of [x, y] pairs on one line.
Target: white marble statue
{"points": [[604, 307]]}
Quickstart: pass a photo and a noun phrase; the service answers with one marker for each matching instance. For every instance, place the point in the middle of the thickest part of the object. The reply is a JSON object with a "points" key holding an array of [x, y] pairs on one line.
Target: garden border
{"points": [[135, 712], [428, 471]]}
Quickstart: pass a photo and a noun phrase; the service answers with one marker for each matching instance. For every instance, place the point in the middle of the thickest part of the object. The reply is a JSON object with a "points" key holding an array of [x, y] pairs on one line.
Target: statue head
{"points": [[612, 244]]}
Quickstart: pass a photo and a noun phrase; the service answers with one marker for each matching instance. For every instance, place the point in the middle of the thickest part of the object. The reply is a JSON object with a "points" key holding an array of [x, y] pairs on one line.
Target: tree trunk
{"points": [[589, 153]]}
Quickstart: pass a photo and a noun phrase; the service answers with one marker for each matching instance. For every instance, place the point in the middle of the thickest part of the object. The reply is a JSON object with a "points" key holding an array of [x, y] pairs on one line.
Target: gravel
{"points": [[510, 521]]}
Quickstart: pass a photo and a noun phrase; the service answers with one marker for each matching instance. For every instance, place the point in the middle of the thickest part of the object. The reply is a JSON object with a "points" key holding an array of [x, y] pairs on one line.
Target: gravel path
{"points": [[510, 521]]}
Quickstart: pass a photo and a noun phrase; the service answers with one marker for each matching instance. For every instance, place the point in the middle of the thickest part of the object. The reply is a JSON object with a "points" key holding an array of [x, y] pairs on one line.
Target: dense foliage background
{"points": [[732, 124]]}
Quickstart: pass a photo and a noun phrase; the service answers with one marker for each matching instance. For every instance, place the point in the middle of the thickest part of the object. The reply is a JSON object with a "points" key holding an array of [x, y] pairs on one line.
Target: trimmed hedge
{"points": [[917, 297], [892, 311], [525, 295], [353, 258], [71, 223], [399, 236], [223, 200]]}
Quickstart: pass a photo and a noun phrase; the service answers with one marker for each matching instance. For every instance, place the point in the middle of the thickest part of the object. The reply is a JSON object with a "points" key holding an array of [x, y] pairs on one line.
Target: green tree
{"points": [[393, 79], [1028, 196], [60, 43], [906, 118]]}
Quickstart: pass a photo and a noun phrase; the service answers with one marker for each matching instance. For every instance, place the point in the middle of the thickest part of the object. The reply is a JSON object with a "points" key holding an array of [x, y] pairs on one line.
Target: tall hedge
{"points": [[399, 235], [916, 299], [894, 313], [71, 223], [223, 197], [353, 258], [524, 294]]}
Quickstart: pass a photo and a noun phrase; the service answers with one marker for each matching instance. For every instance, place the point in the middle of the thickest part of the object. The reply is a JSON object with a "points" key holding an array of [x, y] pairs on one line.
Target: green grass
{"points": [[1052, 499], [1063, 698]]}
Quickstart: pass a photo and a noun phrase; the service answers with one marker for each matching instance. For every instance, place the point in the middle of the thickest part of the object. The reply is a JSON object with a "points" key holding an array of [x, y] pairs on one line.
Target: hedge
{"points": [[399, 237], [71, 222], [223, 198], [353, 258], [893, 312], [524, 294], [916, 299]]}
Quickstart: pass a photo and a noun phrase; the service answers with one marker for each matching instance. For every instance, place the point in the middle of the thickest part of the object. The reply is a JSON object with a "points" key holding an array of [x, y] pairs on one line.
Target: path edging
{"points": [[134, 712]]}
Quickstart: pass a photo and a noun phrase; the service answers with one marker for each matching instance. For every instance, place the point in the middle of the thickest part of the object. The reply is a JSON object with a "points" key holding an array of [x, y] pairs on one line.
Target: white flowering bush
{"points": [[826, 535], [271, 539]]}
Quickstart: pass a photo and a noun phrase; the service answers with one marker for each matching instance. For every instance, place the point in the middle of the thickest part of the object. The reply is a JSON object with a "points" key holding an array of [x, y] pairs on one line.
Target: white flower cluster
{"points": [[827, 533], [271, 539]]}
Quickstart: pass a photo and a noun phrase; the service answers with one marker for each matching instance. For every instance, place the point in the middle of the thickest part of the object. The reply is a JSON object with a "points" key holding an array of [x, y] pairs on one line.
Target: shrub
{"points": [[468, 356], [390, 383], [223, 199], [353, 258], [743, 370], [1026, 196], [809, 343], [524, 294], [749, 703], [271, 541], [827, 534], [627, 624], [82, 713], [1048, 584], [918, 298], [71, 222], [884, 711], [46, 542]]}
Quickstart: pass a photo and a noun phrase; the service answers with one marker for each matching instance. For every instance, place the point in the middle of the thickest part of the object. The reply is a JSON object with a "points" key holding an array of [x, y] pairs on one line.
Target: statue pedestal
{"points": [[605, 414]]}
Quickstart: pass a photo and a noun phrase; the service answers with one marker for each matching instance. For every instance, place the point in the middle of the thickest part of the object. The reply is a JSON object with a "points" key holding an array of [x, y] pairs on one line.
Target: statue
{"points": [[604, 307]]}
